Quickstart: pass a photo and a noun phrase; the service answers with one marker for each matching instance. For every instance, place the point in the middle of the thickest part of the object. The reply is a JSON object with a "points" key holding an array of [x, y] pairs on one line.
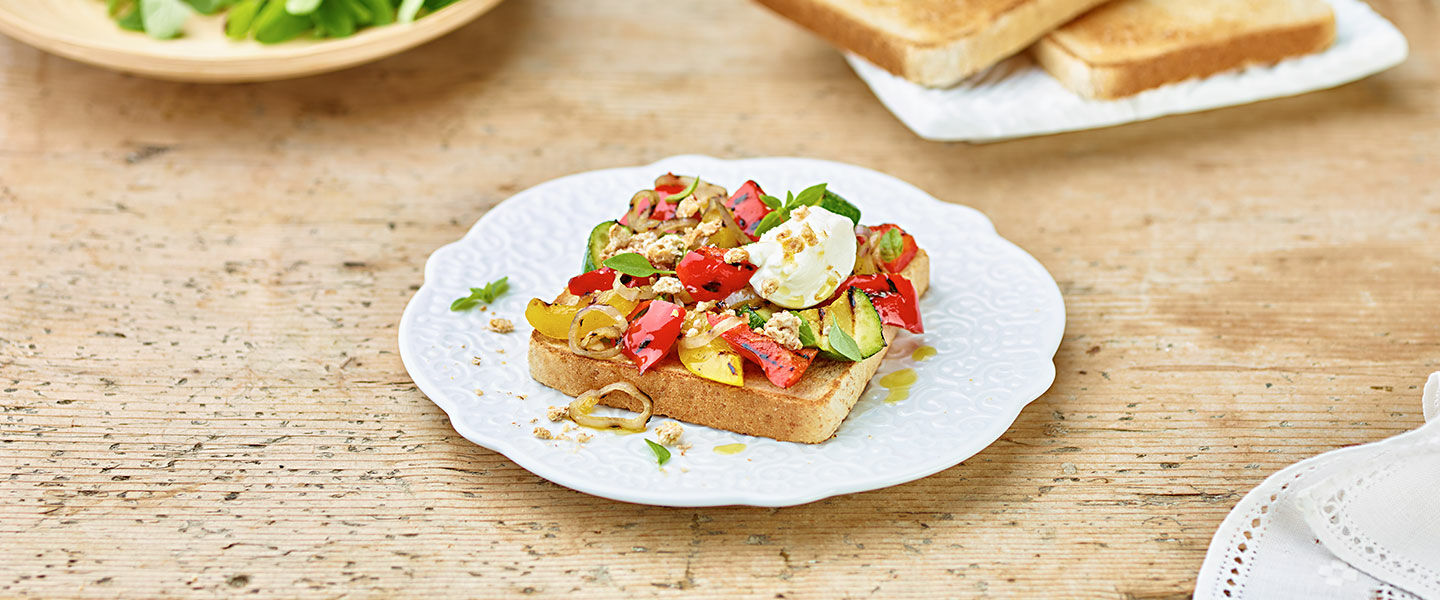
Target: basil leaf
{"points": [[771, 201], [891, 245], [486, 294], [842, 343], [163, 19], [808, 197], [634, 265], [771, 221], [807, 335], [492, 290], [690, 189], [662, 455]]}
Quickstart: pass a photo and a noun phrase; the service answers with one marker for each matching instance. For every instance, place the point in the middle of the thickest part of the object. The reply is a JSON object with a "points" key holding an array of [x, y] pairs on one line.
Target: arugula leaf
{"points": [[335, 19], [163, 19], [842, 343], [807, 335], [131, 21], [634, 265], [682, 194], [273, 25], [834, 203], [114, 7], [891, 245], [240, 18], [486, 294], [408, 10], [771, 201], [209, 7], [301, 7], [382, 12], [662, 455]]}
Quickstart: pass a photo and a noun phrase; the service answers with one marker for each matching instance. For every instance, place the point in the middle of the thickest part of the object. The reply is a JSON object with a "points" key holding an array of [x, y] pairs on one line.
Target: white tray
{"points": [[1017, 98]]}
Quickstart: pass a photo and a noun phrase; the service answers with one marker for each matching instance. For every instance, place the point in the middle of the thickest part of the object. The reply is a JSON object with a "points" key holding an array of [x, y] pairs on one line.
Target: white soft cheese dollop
{"points": [[802, 261]]}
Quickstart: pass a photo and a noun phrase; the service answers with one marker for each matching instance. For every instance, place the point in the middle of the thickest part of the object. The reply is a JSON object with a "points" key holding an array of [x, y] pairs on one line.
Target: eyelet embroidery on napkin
{"points": [[1238, 573]]}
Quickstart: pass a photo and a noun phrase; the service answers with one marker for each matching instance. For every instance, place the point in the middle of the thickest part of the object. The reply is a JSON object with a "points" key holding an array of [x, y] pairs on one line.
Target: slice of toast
{"points": [[934, 43], [809, 411], [1129, 46]]}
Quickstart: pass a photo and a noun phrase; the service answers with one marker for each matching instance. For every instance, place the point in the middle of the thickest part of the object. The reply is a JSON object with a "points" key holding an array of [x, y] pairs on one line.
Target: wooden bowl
{"points": [[80, 30]]}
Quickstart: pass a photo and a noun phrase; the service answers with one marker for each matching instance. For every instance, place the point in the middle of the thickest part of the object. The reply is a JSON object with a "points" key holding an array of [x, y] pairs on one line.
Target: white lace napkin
{"points": [[1356, 523]]}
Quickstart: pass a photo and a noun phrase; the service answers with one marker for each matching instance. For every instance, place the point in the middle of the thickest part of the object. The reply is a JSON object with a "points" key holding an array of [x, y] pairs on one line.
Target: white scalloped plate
{"points": [[1017, 98], [993, 313]]}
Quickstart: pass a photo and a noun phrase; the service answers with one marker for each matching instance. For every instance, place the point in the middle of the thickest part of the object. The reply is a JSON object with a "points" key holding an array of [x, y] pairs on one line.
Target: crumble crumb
{"points": [[584, 437], [669, 433], [568, 428], [474, 360], [500, 351], [784, 328], [542, 433], [668, 285], [479, 392], [704, 305], [557, 413], [769, 287], [688, 207], [665, 251], [735, 256], [499, 325], [800, 213], [700, 232]]}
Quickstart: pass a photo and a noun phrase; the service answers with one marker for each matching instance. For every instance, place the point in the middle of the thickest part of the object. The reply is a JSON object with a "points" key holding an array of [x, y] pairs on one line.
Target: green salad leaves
{"points": [[270, 21]]}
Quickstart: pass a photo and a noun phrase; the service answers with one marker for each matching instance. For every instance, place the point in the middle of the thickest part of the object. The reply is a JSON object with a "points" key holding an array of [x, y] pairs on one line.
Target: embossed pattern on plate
{"points": [[993, 313]]}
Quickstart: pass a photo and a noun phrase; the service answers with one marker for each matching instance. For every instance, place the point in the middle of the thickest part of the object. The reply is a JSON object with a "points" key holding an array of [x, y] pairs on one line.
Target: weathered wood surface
{"points": [[199, 286]]}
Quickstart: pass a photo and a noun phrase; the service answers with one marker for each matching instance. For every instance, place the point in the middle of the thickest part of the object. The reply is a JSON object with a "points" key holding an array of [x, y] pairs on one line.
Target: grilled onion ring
{"points": [[580, 408], [576, 337]]}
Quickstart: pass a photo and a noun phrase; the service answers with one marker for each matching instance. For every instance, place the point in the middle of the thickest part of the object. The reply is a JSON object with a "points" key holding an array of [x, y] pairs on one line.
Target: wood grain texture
{"points": [[200, 394]]}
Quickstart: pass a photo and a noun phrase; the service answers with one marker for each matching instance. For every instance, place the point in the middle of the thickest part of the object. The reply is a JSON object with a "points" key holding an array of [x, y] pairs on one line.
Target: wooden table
{"points": [[200, 394]]}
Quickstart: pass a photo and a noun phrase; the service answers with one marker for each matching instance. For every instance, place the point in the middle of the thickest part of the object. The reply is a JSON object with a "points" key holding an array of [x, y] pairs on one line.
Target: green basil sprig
{"points": [[842, 343], [662, 455], [634, 265], [479, 295]]}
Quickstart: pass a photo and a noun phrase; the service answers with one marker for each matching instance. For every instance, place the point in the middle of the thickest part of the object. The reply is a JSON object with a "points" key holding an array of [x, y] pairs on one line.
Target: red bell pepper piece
{"points": [[601, 279], [907, 248], [747, 207], [707, 276], [658, 210], [894, 298], [782, 366], [650, 337]]}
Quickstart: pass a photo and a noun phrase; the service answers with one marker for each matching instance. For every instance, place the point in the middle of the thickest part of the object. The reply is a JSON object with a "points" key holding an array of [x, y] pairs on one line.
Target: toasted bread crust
{"points": [[1101, 77], [935, 45], [810, 411]]}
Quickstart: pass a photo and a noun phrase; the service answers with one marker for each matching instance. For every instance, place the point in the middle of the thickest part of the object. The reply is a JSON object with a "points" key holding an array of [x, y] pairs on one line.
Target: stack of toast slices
{"points": [[1099, 49], [810, 411]]}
